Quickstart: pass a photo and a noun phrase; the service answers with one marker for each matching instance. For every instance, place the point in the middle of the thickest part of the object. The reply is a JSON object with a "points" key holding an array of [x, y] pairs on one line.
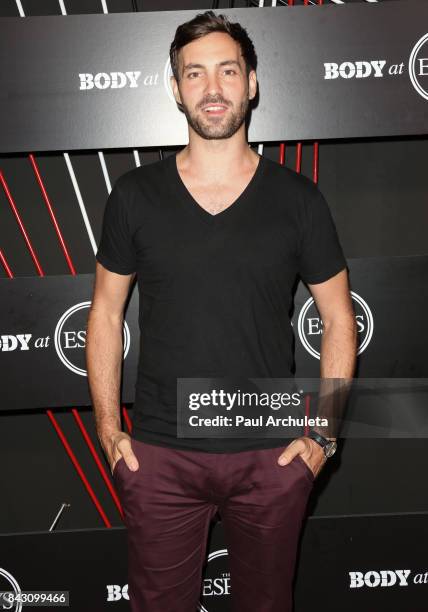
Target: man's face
{"points": [[212, 72]]}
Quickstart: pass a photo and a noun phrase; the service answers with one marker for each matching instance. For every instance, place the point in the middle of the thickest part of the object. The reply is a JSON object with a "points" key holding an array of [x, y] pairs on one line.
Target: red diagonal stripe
{"points": [[127, 419], [21, 225], [97, 459], [5, 264], [52, 214], [78, 467]]}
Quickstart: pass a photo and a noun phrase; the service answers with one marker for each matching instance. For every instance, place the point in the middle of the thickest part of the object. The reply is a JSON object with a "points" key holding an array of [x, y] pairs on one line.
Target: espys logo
{"points": [[362, 69], [418, 66], [216, 582], [309, 325], [13, 585], [70, 338], [167, 73]]}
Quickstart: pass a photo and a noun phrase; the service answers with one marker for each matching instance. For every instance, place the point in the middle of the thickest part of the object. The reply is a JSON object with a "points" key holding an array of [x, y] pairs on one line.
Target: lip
{"points": [[222, 108]]}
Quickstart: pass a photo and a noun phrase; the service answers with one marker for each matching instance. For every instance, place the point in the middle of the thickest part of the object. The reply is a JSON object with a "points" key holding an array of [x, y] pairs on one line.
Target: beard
{"points": [[216, 128]]}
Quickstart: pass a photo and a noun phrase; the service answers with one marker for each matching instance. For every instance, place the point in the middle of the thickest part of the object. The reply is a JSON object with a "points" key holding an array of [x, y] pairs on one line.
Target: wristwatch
{"points": [[329, 446]]}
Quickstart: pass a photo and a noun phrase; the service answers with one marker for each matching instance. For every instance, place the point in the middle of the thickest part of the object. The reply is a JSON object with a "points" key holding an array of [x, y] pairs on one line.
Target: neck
{"points": [[212, 159]]}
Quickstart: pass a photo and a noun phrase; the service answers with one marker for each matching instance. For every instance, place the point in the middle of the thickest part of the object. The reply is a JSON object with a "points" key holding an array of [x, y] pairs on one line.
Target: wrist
{"points": [[328, 445], [107, 436]]}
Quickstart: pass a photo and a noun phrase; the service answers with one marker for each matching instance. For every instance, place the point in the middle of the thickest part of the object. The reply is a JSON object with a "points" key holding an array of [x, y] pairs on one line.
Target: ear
{"points": [[252, 84], [175, 90]]}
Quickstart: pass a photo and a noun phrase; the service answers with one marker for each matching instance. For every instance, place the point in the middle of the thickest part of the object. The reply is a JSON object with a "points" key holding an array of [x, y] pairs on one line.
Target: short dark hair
{"points": [[205, 23]]}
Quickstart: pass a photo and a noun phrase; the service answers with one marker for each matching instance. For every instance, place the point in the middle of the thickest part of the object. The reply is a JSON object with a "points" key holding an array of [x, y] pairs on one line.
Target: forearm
{"points": [[339, 349], [337, 366], [104, 352]]}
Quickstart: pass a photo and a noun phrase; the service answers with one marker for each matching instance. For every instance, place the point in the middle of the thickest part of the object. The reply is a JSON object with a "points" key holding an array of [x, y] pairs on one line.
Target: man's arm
{"points": [[104, 353], [338, 358], [339, 337]]}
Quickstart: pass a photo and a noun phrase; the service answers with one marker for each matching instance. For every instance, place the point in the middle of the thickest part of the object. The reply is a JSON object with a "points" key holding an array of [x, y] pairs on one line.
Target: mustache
{"points": [[217, 100]]}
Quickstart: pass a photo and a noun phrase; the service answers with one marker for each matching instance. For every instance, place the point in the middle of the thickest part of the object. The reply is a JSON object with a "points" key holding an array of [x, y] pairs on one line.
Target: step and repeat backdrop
{"points": [[93, 82], [367, 568], [44, 327], [109, 85]]}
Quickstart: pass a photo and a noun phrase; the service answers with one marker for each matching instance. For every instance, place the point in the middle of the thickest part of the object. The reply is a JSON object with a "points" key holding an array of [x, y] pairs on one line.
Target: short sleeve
{"points": [[321, 255], [116, 250]]}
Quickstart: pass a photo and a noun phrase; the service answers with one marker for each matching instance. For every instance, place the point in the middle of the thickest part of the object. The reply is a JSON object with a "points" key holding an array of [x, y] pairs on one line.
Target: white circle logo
{"points": [[418, 67], [216, 582], [167, 73], [16, 589], [70, 338], [309, 325]]}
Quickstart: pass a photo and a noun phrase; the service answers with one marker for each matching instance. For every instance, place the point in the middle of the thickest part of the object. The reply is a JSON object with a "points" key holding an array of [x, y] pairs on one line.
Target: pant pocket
{"points": [[306, 467]]}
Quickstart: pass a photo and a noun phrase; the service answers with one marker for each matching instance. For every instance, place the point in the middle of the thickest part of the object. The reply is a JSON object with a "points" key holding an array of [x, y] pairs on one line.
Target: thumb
{"points": [[286, 457], [289, 453], [129, 456], [131, 460]]}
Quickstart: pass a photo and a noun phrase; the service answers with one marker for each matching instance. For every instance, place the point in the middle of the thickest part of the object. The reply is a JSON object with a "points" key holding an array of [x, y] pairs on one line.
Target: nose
{"points": [[213, 85]]}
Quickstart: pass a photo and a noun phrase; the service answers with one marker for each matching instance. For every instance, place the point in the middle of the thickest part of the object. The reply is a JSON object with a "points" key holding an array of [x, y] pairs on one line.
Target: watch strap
{"points": [[328, 446]]}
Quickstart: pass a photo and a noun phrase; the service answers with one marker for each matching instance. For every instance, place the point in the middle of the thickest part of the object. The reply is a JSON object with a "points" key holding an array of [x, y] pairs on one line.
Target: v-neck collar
{"points": [[180, 190]]}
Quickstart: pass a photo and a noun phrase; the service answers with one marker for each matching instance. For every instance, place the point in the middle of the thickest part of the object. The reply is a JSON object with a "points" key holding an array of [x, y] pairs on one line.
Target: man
{"points": [[216, 235]]}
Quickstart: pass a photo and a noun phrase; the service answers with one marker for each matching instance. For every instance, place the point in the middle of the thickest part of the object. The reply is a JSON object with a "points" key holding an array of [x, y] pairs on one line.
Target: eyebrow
{"points": [[223, 63]]}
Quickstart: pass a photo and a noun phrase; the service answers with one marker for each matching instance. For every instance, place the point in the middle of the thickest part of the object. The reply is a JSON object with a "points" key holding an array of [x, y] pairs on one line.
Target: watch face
{"points": [[330, 448]]}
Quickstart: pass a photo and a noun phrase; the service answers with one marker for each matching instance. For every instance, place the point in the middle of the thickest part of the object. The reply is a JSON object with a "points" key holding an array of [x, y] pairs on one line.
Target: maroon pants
{"points": [[169, 503]]}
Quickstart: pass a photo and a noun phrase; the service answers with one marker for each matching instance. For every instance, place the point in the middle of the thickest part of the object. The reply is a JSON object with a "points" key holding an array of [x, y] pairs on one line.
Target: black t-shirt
{"points": [[215, 290]]}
